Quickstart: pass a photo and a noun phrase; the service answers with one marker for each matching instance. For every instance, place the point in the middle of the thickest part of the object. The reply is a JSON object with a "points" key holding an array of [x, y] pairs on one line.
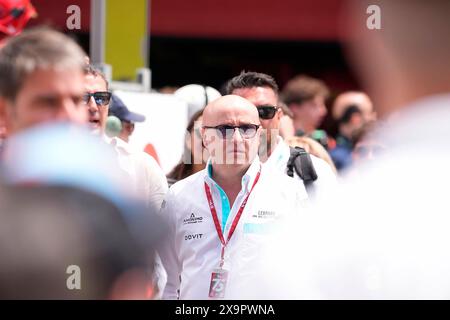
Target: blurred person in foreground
{"points": [[386, 234], [69, 204], [50, 235], [41, 80], [262, 90], [44, 78], [221, 217], [194, 156]]}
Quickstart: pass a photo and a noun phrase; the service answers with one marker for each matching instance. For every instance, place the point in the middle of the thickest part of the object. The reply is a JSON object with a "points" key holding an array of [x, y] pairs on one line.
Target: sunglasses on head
{"points": [[267, 112], [101, 98], [247, 131]]}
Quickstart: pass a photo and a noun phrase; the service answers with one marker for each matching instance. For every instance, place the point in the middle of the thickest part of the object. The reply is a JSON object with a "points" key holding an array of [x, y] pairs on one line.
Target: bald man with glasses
{"points": [[223, 216], [262, 90]]}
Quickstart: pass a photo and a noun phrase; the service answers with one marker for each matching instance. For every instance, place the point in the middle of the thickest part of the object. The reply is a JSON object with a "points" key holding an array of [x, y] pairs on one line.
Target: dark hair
{"points": [[183, 169], [349, 111], [47, 228], [89, 69], [251, 79], [303, 88]]}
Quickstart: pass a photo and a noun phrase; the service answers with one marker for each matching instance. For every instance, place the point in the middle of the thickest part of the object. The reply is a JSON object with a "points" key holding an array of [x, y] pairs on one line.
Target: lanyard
{"points": [[212, 207]]}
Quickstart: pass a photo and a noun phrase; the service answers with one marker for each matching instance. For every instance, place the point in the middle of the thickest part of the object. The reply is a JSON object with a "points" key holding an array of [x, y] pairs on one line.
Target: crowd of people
{"points": [[261, 193]]}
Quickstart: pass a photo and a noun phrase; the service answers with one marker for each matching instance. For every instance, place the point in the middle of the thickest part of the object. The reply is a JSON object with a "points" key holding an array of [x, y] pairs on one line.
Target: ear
{"points": [[187, 140], [204, 140], [259, 131], [279, 114], [130, 128]]}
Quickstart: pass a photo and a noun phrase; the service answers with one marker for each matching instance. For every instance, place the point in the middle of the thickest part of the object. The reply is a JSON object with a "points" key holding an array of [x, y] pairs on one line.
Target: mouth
{"points": [[94, 123]]}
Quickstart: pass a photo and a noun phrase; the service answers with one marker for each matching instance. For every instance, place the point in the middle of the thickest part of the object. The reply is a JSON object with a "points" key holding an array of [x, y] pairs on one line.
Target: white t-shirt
{"points": [[150, 186], [148, 179]]}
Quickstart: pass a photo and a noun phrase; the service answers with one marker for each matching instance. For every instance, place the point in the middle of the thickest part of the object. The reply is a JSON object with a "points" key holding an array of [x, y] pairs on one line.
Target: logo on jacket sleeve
{"points": [[192, 219]]}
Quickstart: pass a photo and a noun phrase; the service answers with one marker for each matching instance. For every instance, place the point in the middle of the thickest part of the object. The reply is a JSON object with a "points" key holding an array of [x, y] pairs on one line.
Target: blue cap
{"points": [[119, 109]]}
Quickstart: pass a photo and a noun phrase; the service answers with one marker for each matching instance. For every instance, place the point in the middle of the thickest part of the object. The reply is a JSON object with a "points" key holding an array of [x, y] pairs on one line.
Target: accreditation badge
{"points": [[219, 278]]}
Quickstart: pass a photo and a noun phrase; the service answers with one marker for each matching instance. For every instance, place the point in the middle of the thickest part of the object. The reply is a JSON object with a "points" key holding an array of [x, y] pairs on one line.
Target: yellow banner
{"points": [[126, 38]]}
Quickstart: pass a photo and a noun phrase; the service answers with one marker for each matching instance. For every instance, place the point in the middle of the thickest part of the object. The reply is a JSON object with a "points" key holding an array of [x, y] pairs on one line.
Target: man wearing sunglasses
{"points": [[262, 90], [96, 98], [221, 218], [148, 179]]}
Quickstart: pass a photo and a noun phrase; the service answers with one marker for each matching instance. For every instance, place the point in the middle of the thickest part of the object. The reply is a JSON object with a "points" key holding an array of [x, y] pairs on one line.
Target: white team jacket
{"points": [[193, 249]]}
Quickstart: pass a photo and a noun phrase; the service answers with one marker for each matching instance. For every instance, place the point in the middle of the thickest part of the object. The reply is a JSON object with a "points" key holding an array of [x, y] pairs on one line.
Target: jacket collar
{"points": [[247, 179]]}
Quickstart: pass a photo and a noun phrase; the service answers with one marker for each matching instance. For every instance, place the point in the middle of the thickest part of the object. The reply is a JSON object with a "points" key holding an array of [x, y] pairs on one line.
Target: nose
{"points": [[237, 137], [237, 140], [92, 105]]}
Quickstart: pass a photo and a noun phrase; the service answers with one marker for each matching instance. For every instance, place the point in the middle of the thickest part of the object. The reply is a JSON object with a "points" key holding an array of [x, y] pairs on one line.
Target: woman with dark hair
{"points": [[194, 157]]}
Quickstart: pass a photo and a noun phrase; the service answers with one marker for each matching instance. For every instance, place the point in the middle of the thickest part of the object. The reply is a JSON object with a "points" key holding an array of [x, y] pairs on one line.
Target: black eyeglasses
{"points": [[101, 98], [267, 112], [247, 131]]}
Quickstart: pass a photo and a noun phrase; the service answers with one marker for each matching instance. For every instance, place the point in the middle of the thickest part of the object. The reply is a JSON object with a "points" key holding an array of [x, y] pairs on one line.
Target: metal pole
{"points": [[146, 50], [97, 32]]}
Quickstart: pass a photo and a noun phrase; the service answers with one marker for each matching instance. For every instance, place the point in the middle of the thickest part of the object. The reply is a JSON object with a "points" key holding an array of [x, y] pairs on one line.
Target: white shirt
{"points": [[386, 235], [149, 181], [193, 250], [326, 179], [150, 186]]}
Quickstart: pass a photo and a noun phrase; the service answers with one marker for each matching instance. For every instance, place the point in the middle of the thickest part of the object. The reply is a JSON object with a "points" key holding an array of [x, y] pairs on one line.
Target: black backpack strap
{"points": [[301, 162]]}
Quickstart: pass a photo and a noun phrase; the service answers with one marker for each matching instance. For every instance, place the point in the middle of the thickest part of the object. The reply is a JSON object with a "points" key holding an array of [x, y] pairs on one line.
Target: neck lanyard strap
{"points": [[212, 208]]}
